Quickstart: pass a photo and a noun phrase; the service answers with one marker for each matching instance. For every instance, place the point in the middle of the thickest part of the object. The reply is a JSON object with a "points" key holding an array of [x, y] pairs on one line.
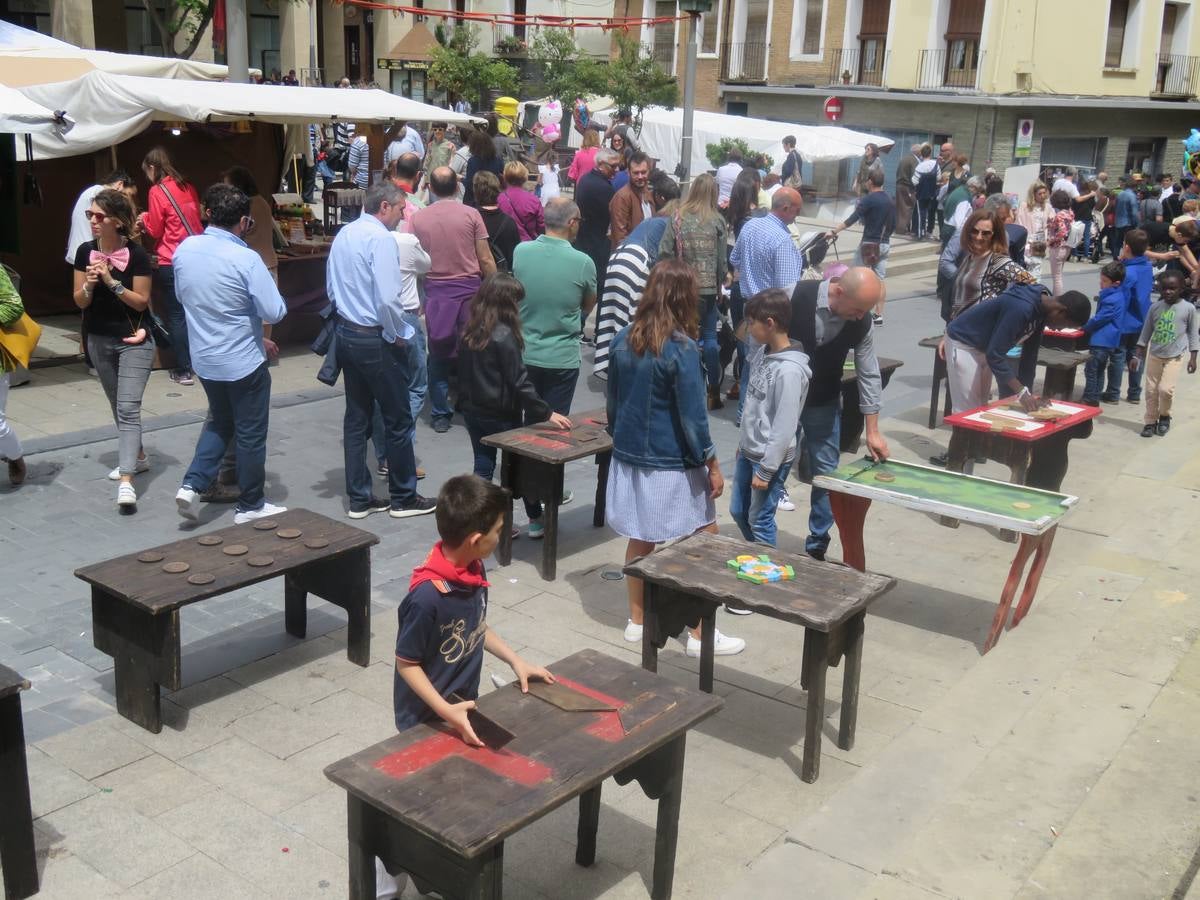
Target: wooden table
{"points": [[17, 856], [425, 802], [1036, 457], [135, 603], [853, 421], [531, 466], [939, 375], [1030, 512], [686, 581], [1065, 338]]}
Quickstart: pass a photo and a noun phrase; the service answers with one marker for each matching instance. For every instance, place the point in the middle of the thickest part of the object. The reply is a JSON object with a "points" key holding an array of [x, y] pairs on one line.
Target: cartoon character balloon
{"points": [[1191, 153], [549, 117]]}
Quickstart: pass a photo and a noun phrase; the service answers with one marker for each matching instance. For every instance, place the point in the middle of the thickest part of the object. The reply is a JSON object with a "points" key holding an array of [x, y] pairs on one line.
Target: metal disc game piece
{"points": [[288, 533], [316, 543], [1021, 504], [884, 476], [211, 540], [150, 556], [260, 561], [236, 550], [176, 568], [265, 525], [200, 578]]}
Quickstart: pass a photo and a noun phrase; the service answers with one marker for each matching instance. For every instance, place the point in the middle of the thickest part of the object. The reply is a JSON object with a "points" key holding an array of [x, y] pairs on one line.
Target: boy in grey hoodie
{"points": [[774, 397]]}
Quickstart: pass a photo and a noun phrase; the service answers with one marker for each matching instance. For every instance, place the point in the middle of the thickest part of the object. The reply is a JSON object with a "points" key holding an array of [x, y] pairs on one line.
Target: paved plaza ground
{"points": [[1060, 765]]}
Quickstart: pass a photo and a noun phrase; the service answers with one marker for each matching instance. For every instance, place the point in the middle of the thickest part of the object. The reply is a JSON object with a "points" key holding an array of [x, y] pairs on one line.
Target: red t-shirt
{"points": [[448, 231], [162, 223]]}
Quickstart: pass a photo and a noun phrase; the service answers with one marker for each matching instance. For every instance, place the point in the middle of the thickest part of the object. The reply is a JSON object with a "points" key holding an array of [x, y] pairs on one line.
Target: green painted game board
{"points": [[983, 501]]}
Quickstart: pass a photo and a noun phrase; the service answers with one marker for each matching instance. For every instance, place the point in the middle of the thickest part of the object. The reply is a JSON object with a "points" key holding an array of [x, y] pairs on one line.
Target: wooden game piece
{"points": [[265, 525], [236, 550], [1021, 504], [884, 476], [150, 556], [260, 562], [288, 533], [317, 543], [200, 578], [492, 733], [642, 709], [176, 568], [565, 698], [211, 540]]}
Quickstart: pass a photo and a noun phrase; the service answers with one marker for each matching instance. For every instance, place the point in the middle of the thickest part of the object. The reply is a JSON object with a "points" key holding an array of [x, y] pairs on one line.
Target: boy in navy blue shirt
{"points": [[443, 628], [1138, 284], [1104, 341]]}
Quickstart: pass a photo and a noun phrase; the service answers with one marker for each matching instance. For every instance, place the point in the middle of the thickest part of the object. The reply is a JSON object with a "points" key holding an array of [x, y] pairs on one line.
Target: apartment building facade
{"points": [[1109, 84]]}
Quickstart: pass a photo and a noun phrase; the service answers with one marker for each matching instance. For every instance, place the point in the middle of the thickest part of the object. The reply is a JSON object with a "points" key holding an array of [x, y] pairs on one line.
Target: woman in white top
{"points": [[548, 186], [1032, 215]]}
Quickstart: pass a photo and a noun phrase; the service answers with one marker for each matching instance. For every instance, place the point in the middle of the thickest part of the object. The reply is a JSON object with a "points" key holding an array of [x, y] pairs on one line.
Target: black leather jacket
{"points": [[493, 381]]}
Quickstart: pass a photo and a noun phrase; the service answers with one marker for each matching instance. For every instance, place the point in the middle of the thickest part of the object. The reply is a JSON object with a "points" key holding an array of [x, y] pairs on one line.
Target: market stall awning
{"points": [[20, 115], [663, 128], [109, 109]]}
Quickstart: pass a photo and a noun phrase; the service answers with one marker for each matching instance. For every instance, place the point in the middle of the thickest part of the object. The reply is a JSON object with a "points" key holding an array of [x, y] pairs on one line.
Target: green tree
{"points": [[461, 69], [566, 72], [636, 81]]}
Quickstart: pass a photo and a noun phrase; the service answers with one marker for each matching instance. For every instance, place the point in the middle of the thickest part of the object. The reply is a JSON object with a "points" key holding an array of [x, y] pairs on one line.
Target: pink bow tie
{"points": [[118, 260]]}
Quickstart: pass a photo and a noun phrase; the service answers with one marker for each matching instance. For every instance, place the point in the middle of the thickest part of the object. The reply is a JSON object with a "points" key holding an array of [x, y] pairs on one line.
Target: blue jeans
{"points": [[438, 385], [418, 386], [164, 292], [820, 431], [376, 372], [1103, 360], [479, 427], [754, 510], [1084, 250], [709, 349], [240, 411], [1129, 345]]}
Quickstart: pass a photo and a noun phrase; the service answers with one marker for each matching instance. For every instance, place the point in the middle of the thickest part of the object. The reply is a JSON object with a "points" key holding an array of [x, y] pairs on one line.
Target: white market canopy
{"points": [[663, 128], [20, 115], [109, 109]]}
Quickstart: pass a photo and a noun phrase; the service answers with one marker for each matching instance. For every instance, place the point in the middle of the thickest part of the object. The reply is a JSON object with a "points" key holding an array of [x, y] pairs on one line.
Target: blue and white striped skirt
{"points": [[658, 505]]}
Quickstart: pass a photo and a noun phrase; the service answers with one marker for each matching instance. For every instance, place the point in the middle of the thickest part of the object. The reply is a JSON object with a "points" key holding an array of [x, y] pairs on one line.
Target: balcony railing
{"points": [[1177, 75], [663, 54], [954, 67], [744, 62], [853, 66]]}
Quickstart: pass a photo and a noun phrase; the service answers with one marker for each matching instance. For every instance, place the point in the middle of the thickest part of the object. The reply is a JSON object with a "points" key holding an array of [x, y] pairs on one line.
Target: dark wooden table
{"points": [[853, 421], [686, 581], [425, 802], [135, 603], [531, 466], [939, 375], [17, 856], [1065, 339]]}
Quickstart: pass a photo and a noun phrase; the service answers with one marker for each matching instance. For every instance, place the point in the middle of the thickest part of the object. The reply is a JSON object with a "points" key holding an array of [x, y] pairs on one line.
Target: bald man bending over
{"points": [[831, 318]]}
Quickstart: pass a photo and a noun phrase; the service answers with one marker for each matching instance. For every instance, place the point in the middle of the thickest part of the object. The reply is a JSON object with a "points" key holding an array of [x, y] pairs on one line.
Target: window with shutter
{"points": [[813, 10], [965, 20], [1118, 19], [874, 22]]}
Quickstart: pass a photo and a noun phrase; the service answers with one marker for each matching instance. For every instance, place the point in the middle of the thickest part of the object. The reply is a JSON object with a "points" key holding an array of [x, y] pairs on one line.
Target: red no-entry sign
{"points": [[833, 109]]}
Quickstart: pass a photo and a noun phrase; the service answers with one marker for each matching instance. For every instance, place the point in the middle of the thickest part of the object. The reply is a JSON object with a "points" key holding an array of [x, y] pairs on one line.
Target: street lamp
{"points": [[693, 8]]}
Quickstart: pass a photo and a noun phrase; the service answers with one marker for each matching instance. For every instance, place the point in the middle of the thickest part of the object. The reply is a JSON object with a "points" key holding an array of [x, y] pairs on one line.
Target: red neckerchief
{"points": [[436, 567]]}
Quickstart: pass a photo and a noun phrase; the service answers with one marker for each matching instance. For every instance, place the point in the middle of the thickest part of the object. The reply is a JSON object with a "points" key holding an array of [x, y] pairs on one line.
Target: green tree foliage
{"points": [[718, 154], [461, 69], [566, 72], [636, 81]]}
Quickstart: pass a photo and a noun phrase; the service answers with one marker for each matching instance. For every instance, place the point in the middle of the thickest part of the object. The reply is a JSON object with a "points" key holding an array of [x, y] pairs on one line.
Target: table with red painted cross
{"points": [[531, 466], [426, 803]]}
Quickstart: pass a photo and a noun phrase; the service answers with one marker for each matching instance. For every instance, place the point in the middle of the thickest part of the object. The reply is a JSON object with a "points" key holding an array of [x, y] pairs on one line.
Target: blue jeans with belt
{"points": [[820, 432], [418, 386]]}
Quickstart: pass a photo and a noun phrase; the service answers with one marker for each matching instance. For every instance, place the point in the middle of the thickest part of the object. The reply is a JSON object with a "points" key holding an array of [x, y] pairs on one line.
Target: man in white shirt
{"points": [[727, 175], [407, 141], [81, 228], [1066, 182]]}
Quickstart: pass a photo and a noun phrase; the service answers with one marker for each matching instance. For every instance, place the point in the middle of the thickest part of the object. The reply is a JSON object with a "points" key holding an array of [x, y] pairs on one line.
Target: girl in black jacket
{"points": [[495, 387]]}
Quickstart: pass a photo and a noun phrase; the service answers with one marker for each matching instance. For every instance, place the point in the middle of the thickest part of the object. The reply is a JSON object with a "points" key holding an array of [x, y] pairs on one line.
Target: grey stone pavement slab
{"points": [[1060, 765]]}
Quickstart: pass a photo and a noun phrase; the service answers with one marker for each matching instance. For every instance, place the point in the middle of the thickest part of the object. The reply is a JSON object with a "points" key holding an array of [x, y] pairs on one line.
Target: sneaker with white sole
{"points": [[723, 645], [143, 465], [187, 502], [126, 497], [263, 512], [785, 502], [536, 530], [417, 506], [376, 505], [567, 497], [633, 632], [738, 610]]}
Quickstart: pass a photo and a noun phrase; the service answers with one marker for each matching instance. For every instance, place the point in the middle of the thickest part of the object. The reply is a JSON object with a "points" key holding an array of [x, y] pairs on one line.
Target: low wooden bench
{"points": [[17, 854], [425, 802], [687, 581], [531, 466], [136, 598]]}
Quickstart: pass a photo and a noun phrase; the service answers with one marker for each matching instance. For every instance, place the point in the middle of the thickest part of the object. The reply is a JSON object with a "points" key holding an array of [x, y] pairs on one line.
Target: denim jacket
{"points": [[656, 405]]}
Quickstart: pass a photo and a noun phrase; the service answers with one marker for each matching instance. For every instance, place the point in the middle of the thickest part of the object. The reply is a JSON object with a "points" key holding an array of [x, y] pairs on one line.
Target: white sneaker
{"points": [[387, 887], [785, 502], [143, 465], [633, 632], [264, 512], [738, 610], [126, 496], [723, 645], [187, 502]]}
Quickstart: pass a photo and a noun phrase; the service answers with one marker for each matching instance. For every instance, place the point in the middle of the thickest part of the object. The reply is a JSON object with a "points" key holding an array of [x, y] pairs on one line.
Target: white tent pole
{"points": [[237, 53]]}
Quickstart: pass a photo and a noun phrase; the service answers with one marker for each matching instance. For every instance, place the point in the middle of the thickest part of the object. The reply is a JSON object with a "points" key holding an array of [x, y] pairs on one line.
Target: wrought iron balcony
{"points": [[856, 66], [744, 62], [956, 66], [1176, 76]]}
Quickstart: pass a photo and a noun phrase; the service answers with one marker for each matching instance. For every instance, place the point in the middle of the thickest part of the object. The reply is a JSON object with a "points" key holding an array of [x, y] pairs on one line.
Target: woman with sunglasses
{"points": [[112, 287]]}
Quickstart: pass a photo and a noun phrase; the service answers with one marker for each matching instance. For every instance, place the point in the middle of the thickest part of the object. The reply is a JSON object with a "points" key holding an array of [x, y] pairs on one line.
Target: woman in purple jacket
{"points": [[522, 206]]}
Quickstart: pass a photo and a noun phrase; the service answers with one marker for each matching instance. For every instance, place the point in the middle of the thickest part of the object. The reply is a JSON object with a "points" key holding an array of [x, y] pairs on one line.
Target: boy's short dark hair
{"points": [[1173, 275], [1137, 241], [770, 304], [1114, 271], [1078, 308], [467, 505]]}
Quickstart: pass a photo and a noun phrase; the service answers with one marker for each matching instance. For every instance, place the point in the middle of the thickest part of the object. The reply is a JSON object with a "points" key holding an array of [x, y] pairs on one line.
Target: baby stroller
{"points": [[813, 245]]}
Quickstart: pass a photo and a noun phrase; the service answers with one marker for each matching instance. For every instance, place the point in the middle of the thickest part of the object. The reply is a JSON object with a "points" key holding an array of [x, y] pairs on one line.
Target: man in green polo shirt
{"points": [[560, 290]]}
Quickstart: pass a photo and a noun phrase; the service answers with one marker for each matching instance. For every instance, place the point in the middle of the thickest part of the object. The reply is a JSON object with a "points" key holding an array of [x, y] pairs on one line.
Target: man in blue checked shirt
{"points": [[765, 255], [373, 347], [227, 294]]}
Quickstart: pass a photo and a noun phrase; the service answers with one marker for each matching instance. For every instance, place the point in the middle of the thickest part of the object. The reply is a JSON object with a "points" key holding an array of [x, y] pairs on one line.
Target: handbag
{"points": [[18, 340], [158, 330], [794, 180], [870, 253], [1075, 235]]}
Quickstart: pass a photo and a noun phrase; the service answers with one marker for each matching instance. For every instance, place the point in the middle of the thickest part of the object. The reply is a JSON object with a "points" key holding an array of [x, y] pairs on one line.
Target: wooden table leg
{"points": [[708, 639], [853, 642], [939, 373], [550, 537], [504, 548], [816, 659], [600, 509], [138, 696], [666, 833], [17, 854], [1041, 557], [361, 855], [589, 822], [145, 652], [488, 880], [1024, 549], [295, 607], [649, 627], [849, 514], [344, 581]]}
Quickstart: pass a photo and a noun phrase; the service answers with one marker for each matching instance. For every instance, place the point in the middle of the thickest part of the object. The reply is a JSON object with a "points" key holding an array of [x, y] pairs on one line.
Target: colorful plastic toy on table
{"points": [[760, 569]]}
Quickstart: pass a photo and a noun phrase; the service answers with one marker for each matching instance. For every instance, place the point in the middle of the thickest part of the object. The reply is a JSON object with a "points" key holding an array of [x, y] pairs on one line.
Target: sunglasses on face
{"points": [[94, 216]]}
